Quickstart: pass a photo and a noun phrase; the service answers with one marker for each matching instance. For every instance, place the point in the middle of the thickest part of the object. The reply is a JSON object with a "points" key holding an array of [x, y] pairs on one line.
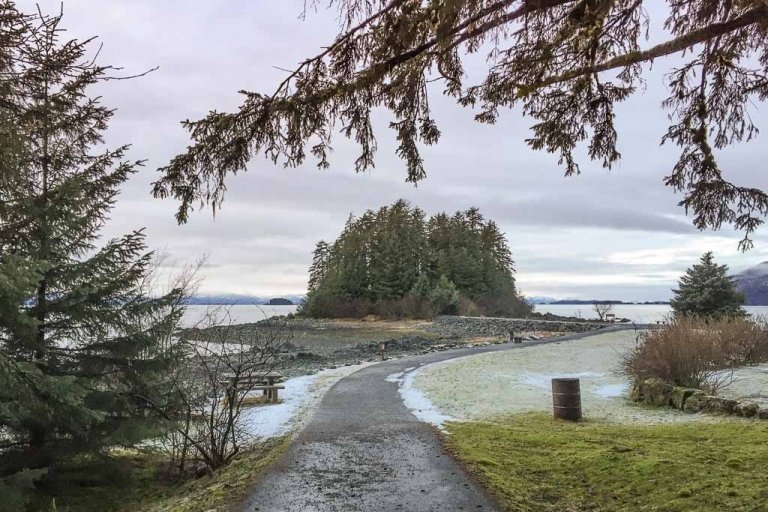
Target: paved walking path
{"points": [[364, 451]]}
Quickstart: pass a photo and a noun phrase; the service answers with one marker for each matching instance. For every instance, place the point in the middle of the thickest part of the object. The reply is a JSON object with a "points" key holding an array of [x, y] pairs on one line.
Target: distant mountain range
{"points": [[587, 302], [753, 283], [243, 300], [541, 300]]}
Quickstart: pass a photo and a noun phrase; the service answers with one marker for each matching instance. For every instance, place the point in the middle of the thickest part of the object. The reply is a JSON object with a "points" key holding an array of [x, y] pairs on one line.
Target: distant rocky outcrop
{"points": [[753, 283], [241, 300], [489, 326], [279, 302]]}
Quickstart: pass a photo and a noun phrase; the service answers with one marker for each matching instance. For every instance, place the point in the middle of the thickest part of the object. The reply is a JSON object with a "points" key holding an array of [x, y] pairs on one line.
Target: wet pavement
{"points": [[363, 450]]}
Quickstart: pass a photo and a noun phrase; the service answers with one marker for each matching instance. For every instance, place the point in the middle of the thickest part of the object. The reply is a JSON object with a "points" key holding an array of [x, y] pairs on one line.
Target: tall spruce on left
{"points": [[82, 339]]}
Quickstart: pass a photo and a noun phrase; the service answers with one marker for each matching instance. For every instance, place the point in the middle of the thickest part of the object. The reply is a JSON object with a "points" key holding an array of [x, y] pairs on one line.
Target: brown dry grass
{"points": [[697, 352]]}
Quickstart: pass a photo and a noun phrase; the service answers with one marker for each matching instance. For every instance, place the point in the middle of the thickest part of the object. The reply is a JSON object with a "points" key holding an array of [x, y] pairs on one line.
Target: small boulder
{"points": [[679, 396], [747, 410], [636, 393], [695, 402], [719, 405], [656, 392], [763, 414], [202, 470]]}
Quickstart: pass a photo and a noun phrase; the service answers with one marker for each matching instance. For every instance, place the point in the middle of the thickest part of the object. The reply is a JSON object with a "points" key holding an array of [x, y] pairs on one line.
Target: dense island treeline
{"points": [[395, 262]]}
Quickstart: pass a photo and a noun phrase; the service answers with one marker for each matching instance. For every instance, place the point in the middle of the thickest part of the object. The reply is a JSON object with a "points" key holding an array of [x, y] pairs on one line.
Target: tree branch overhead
{"points": [[567, 63]]}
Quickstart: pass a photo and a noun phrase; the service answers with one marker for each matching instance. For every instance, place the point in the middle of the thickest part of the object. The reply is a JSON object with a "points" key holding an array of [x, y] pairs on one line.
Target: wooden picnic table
{"points": [[267, 383], [270, 388]]}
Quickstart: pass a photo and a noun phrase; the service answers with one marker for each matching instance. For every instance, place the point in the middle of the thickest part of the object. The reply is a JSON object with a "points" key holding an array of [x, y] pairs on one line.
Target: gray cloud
{"points": [[573, 237]]}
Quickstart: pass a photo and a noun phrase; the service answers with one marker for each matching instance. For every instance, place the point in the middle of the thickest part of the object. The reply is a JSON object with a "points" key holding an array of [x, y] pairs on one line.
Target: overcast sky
{"points": [[610, 235]]}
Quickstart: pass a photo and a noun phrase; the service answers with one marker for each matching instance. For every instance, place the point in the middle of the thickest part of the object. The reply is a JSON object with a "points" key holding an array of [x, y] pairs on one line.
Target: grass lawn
{"points": [[140, 483], [533, 463]]}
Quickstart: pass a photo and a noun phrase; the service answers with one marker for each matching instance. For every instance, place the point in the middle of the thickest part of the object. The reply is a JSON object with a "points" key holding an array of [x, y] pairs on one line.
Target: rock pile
{"points": [[467, 326], [656, 392]]}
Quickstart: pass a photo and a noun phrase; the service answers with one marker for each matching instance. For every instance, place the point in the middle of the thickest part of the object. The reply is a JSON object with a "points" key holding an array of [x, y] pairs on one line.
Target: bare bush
{"points": [[602, 310], [696, 352], [210, 386]]}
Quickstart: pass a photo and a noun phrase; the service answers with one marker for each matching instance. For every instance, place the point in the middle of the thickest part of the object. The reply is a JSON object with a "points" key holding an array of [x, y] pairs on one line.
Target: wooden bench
{"points": [[265, 383]]}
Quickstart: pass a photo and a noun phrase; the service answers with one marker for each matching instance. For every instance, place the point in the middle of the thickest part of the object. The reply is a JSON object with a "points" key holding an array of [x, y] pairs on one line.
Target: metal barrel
{"points": [[566, 399]]}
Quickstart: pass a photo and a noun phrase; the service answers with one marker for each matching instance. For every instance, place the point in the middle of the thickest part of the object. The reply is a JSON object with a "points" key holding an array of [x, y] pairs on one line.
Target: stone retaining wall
{"points": [[488, 326], [658, 393]]}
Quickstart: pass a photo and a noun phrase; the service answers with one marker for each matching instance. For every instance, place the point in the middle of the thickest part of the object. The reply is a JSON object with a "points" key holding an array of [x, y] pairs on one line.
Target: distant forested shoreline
{"points": [[396, 263]]}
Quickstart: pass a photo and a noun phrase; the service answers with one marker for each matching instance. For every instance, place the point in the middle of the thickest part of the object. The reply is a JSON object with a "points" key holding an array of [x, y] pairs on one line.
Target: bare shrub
{"points": [[210, 386], [408, 306], [467, 307], [697, 352], [602, 309]]}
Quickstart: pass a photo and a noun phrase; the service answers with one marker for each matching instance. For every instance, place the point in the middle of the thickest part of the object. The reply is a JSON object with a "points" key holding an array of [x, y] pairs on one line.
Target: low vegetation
{"points": [[697, 352], [148, 481], [532, 463], [396, 263]]}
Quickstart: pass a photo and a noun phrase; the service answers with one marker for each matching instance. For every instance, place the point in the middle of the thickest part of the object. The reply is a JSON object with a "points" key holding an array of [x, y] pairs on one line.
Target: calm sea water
{"points": [[241, 314], [640, 313]]}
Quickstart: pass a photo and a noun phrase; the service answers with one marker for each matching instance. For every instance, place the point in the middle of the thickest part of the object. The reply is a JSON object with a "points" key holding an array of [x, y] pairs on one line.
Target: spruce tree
{"points": [[82, 340], [319, 268], [706, 290], [444, 297]]}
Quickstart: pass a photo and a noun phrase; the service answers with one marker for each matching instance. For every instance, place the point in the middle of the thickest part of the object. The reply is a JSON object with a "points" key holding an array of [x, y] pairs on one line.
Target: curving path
{"points": [[364, 451]]}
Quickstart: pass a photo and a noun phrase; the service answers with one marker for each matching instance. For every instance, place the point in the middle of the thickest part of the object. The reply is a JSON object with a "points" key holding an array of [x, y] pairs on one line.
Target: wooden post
{"points": [[566, 399]]}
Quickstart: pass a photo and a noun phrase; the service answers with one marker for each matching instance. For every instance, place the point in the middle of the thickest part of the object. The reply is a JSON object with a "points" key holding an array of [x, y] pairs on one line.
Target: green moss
{"points": [[225, 490], [532, 463]]}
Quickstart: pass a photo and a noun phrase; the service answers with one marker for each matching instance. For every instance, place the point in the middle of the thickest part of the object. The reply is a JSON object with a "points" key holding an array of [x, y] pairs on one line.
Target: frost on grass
{"points": [[419, 405], [749, 384], [485, 386]]}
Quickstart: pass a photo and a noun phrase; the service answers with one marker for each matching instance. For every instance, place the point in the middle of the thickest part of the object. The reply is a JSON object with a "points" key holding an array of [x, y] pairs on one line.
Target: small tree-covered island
{"points": [[396, 263]]}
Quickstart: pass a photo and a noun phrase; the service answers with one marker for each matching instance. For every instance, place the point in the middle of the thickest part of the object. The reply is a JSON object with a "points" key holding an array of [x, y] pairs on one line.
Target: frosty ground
{"points": [[486, 386]]}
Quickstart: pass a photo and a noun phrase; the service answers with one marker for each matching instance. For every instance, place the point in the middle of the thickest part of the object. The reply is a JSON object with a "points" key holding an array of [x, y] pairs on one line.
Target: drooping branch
{"points": [[548, 55]]}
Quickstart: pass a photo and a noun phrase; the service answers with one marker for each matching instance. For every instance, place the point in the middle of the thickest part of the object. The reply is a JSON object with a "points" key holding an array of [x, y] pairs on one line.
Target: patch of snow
{"points": [[299, 401], [416, 401], [611, 390], [274, 420], [398, 377], [544, 381]]}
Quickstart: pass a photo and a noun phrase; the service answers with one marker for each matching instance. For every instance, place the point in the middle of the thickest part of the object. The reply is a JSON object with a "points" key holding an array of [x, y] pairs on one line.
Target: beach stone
{"points": [[679, 396], [492, 326], [718, 405], [747, 410], [695, 402], [656, 392]]}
